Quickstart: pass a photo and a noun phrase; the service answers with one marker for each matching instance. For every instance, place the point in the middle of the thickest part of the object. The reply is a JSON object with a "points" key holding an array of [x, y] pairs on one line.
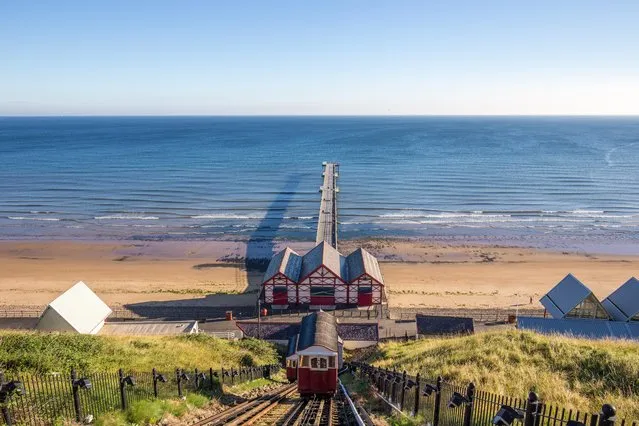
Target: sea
{"points": [[556, 182]]}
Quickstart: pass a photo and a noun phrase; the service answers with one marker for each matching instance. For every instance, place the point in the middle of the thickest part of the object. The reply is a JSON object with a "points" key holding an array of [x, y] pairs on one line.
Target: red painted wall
{"points": [[280, 298], [316, 381], [364, 299], [323, 300], [291, 374]]}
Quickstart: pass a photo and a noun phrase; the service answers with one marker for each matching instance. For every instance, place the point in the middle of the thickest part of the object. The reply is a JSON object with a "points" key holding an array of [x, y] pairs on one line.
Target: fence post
{"points": [[197, 379], [76, 396], [392, 391], [417, 386], [438, 401], [232, 376], [468, 410], [4, 398], [211, 379], [179, 381], [122, 389], [531, 409], [155, 382], [222, 375], [607, 416], [385, 382], [401, 401]]}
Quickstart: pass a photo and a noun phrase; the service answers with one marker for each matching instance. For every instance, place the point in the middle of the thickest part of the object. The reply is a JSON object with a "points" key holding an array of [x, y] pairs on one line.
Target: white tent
{"points": [[77, 310]]}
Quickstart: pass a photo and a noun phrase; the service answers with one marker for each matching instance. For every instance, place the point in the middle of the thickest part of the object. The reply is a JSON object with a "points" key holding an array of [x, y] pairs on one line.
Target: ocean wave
{"points": [[442, 215], [47, 219], [126, 217], [586, 212], [226, 216], [295, 227]]}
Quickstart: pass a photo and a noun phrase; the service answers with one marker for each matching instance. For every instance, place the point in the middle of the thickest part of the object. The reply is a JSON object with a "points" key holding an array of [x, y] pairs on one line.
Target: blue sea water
{"points": [[502, 178]]}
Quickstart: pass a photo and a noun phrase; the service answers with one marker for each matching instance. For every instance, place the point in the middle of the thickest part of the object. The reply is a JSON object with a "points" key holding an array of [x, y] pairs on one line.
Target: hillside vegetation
{"points": [[31, 352], [575, 373]]}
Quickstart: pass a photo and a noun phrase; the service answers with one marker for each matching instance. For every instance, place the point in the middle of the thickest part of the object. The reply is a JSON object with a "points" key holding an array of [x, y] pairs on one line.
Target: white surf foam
{"points": [[126, 217], [47, 219]]}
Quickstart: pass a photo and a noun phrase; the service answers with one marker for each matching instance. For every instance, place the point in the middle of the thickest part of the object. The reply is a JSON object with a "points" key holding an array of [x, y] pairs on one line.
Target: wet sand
{"points": [[417, 273]]}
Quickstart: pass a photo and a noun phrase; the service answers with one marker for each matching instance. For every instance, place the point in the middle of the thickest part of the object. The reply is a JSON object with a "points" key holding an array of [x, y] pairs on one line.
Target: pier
{"points": [[327, 222]]}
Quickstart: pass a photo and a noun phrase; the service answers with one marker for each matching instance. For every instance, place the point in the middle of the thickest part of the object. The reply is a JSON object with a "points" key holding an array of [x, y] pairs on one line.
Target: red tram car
{"points": [[291, 359], [319, 355]]}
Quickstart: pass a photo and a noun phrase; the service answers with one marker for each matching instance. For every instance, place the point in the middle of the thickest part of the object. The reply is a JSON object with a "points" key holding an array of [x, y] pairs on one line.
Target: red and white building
{"points": [[323, 277]]}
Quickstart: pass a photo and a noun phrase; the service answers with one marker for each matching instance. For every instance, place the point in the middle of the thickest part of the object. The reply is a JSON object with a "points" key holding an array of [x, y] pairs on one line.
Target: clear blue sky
{"points": [[319, 57]]}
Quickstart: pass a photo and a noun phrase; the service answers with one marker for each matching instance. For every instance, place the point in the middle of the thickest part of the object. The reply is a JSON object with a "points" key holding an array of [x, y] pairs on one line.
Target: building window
{"points": [[322, 291], [588, 308], [319, 363]]}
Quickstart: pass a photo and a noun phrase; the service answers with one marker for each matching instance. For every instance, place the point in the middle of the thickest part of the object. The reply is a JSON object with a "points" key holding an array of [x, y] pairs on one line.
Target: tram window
{"points": [[293, 363], [323, 363], [304, 361], [331, 362], [314, 363]]}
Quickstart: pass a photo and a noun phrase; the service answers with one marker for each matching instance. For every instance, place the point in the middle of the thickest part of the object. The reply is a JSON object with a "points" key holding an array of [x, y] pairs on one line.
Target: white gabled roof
{"points": [[623, 303], [567, 294], [286, 262], [81, 308], [326, 255], [361, 262]]}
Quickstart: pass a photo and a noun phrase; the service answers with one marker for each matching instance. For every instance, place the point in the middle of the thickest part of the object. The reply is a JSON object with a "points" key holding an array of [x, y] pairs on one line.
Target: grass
{"points": [[150, 412], [573, 373], [32, 352], [154, 411]]}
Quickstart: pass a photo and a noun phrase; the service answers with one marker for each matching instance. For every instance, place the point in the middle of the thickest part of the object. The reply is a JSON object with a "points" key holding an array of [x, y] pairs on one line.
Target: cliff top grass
{"points": [[573, 373], [33, 352]]}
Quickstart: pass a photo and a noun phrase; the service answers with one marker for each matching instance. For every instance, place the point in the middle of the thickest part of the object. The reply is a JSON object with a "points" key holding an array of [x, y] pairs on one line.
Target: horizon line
{"points": [[306, 115]]}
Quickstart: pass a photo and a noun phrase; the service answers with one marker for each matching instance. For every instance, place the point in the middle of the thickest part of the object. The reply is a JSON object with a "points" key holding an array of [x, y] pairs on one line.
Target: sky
{"points": [[326, 57]]}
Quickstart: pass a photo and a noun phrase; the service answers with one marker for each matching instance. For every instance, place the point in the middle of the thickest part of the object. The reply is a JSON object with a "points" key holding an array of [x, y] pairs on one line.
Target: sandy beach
{"points": [[214, 273]]}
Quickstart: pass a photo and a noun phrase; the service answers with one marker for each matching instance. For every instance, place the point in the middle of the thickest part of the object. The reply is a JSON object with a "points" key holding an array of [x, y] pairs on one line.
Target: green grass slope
{"points": [[575, 373], [31, 352]]}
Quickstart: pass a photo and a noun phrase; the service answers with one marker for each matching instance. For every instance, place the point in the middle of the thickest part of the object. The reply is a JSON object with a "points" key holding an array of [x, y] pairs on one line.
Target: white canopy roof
{"points": [[567, 294], [623, 303], [77, 309]]}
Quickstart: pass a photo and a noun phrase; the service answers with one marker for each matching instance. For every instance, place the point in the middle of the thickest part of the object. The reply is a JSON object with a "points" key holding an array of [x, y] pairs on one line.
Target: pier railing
{"points": [[46, 399], [438, 402]]}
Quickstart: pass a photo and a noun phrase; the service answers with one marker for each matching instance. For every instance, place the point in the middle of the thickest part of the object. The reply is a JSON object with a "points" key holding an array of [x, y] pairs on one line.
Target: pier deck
{"points": [[327, 222]]}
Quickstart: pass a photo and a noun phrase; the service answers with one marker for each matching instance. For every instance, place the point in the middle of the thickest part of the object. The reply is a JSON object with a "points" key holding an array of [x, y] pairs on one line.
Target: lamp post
{"points": [[259, 317]]}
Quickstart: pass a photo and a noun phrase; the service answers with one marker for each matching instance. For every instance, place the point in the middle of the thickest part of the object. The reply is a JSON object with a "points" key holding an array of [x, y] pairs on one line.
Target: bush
{"points": [[146, 411], [197, 400], [38, 352], [112, 419]]}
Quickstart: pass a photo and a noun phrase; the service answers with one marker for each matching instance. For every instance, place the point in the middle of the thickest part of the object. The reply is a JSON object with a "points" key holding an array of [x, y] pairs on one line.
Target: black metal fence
{"points": [[35, 400], [440, 403]]}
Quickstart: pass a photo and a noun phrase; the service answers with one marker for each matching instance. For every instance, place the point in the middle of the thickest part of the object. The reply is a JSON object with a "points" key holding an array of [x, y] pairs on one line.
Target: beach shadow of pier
{"points": [[260, 247]]}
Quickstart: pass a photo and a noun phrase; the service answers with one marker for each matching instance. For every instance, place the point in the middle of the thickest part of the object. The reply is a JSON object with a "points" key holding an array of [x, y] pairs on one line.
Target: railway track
{"points": [[284, 407]]}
